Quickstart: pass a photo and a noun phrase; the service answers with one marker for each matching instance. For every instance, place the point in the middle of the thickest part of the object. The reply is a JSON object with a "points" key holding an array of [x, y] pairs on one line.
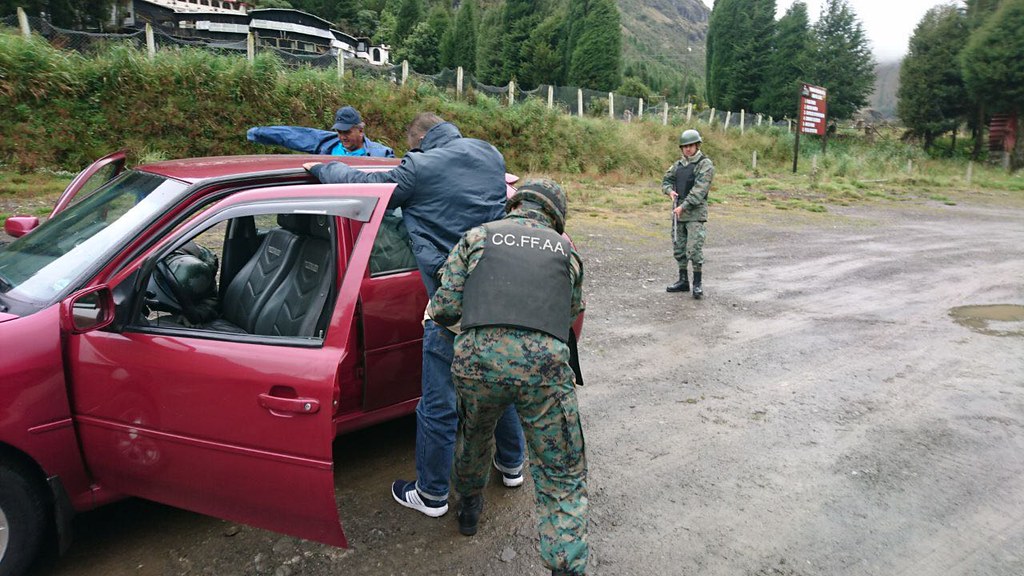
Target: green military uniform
{"points": [[688, 240], [498, 365]]}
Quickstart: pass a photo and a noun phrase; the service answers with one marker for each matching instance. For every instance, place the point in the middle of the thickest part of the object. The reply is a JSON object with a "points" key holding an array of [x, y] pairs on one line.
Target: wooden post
{"points": [[611, 105], [711, 119], [743, 121], [405, 71], [664, 115], [341, 64], [150, 41], [511, 92], [970, 171], [689, 113], [789, 129], [23, 24], [770, 122], [759, 118], [910, 166], [458, 82], [250, 47], [754, 161], [551, 96], [728, 118], [640, 110], [579, 102]]}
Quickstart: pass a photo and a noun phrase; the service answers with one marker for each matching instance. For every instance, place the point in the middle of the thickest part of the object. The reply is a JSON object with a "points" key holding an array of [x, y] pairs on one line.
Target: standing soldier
{"points": [[516, 284], [688, 181]]}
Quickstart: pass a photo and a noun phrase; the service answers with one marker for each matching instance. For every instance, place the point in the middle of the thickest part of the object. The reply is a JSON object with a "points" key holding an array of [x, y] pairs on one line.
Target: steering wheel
{"points": [[167, 280]]}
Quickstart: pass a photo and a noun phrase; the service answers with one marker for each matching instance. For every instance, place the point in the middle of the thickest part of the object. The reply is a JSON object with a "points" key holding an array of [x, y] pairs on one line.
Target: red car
{"points": [[197, 332]]}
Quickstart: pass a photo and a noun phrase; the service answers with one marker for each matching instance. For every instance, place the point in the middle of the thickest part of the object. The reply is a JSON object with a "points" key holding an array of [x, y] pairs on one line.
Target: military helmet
{"points": [[548, 194], [690, 136]]}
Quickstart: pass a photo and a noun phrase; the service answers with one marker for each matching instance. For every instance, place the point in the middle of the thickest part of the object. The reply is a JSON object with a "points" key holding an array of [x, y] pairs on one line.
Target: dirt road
{"points": [[827, 409]]}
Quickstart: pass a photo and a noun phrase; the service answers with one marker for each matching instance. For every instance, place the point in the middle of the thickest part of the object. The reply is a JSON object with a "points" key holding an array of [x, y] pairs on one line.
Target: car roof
{"points": [[192, 170]]}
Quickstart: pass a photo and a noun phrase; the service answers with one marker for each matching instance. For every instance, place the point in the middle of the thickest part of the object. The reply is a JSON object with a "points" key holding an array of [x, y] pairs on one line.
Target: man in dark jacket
{"points": [[446, 185], [346, 138]]}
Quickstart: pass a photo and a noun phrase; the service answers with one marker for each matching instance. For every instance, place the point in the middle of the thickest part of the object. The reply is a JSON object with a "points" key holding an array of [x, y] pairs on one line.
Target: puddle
{"points": [[993, 319]]}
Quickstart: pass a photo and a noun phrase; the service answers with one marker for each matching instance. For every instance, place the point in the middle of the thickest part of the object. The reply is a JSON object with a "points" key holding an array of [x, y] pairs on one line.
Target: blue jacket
{"points": [[446, 187], [310, 140]]}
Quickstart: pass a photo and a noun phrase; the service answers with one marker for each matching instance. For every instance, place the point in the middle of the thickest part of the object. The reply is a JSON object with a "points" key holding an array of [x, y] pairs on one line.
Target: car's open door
{"points": [[97, 174], [232, 425]]}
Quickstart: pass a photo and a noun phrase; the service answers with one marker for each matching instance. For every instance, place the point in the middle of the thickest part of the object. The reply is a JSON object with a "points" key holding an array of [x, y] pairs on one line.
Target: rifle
{"points": [[675, 221]]}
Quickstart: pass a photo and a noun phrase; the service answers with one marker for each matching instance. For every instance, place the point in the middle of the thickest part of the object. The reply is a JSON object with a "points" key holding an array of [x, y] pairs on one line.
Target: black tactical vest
{"points": [[521, 280], [685, 177]]}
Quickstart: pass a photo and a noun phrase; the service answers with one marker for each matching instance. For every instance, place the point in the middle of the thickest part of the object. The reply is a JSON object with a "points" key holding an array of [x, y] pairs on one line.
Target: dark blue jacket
{"points": [[310, 140], [447, 186]]}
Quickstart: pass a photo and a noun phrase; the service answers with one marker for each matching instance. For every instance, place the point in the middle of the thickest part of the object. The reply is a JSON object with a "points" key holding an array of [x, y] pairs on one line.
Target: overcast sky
{"points": [[887, 23]]}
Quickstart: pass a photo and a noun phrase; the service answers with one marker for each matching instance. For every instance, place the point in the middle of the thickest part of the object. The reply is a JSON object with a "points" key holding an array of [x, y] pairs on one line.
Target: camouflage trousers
{"points": [[558, 463], [688, 245]]}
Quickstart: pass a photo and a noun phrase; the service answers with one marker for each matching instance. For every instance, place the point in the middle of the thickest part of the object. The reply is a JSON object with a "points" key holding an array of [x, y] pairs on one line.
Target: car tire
{"points": [[22, 519]]}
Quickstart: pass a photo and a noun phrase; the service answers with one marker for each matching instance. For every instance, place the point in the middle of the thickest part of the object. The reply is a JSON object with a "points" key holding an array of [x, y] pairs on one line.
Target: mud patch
{"points": [[991, 320]]}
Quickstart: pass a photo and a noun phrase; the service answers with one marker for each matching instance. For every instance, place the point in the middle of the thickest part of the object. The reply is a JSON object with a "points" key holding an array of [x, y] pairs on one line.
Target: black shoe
{"points": [[698, 292], [469, 513], [558, 572], [681, 285]]}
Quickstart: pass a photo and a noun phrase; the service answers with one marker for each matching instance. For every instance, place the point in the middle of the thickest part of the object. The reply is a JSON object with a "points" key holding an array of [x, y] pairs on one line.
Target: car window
{"points": [[392, 249], [45, 265], [282, 288]]}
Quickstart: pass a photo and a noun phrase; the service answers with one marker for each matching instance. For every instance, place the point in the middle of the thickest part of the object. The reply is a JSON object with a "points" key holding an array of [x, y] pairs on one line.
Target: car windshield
{"points": [[42, 266]]}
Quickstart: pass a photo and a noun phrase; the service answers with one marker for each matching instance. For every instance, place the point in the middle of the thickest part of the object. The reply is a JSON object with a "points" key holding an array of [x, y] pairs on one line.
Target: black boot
{"points": [[681, 285], [469, 513], [698, 292]]}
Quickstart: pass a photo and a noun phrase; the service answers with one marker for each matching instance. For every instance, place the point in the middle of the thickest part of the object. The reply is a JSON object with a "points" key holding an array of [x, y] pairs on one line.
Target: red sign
{"points": [[813, 109]]}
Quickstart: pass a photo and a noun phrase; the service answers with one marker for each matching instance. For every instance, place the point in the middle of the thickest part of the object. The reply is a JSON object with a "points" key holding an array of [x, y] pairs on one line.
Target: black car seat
{"points": [[295, 308], [250, 289]]}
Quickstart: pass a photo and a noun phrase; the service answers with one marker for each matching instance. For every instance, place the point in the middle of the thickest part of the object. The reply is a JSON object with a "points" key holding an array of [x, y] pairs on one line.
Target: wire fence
{"points": [[570, 100]]}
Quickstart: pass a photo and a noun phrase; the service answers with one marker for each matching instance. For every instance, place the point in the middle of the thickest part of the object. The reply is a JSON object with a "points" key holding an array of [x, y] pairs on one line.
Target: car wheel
{"points": [[22, 511]]}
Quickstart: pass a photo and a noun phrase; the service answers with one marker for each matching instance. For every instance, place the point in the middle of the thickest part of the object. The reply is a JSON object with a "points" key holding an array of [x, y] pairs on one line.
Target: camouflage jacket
{"points": [[695, 205], [498, 352]]}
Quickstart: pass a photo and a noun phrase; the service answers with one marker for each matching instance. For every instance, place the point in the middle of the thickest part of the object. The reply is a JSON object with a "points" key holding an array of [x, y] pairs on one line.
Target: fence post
{"points": [[970, 171], [341, 64], [789, 126], [640, 110], [728, 118], [551, 96], [250, 47], [743, 120], [405, 71], [23, 24], [711, 119], [771, 121], [611, 105], [579, 102], [150, 41], [759, 118], [458, 82], [664, 114], [754, 161], [511, 92], [689, 113]]}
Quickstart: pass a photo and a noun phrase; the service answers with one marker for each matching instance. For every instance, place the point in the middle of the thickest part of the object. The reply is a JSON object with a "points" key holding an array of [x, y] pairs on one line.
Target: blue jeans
{"points": [[437, 420]]}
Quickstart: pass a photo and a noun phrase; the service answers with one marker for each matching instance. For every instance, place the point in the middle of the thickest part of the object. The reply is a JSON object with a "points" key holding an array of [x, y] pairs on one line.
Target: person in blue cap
{"points": [[345, 138]]}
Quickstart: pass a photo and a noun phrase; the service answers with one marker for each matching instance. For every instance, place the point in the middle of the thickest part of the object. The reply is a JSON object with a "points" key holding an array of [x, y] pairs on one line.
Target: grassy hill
{"points": [[669, 33]]}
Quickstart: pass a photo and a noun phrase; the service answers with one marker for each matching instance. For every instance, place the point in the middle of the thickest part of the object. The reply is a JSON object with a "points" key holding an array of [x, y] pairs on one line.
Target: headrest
{"points": [[295, 223]]}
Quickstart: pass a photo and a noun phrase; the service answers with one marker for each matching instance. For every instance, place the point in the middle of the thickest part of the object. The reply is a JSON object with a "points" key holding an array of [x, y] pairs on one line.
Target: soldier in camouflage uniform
{"points": [[687, 182], [516, 285]]}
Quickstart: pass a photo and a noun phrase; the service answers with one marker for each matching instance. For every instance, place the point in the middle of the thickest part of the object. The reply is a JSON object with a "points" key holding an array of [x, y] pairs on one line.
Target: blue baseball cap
{"points": [[345, 118]]}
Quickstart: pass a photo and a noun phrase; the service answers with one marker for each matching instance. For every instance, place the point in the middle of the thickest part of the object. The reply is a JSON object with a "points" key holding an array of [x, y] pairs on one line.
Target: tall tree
{"points": [[842, 61], [788, 63], [519, 18], [543, 52], [994, 69], [978, 11], [596, 61], [410, 13], [740, 35], [489, 67], [464, 38], [932, 98]]}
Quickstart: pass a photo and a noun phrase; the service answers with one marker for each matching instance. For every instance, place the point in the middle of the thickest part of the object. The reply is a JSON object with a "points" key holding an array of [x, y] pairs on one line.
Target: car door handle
{"points": [[293, 405]]}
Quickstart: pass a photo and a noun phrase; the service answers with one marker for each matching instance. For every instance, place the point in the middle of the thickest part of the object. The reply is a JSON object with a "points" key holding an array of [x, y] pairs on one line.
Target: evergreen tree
{"points": [[71, 14], [420, 49], [410, 13], [542, 55], [489, 66], [787, 65], [738, 51], [519, 18], [842, 61], [978, 11], [931, 94], [464, 38], [596, 60], [994, 68]]}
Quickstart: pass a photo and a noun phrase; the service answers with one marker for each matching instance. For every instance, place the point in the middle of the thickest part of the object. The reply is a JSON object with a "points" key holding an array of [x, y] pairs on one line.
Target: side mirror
{"points": [[87, 310], [18, 226]]}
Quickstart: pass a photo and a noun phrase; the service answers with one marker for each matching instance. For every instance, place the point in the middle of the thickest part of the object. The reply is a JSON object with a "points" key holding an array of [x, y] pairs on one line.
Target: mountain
{"points": [[667, 32], [887, 83]]}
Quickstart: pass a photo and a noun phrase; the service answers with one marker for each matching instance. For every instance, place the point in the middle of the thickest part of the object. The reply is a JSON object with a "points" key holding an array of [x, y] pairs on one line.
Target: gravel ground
{"points": [[834, 406]]}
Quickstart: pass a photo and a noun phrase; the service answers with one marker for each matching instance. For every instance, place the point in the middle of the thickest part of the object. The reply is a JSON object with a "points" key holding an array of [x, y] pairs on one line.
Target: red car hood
{"points": [[4, 317]]}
